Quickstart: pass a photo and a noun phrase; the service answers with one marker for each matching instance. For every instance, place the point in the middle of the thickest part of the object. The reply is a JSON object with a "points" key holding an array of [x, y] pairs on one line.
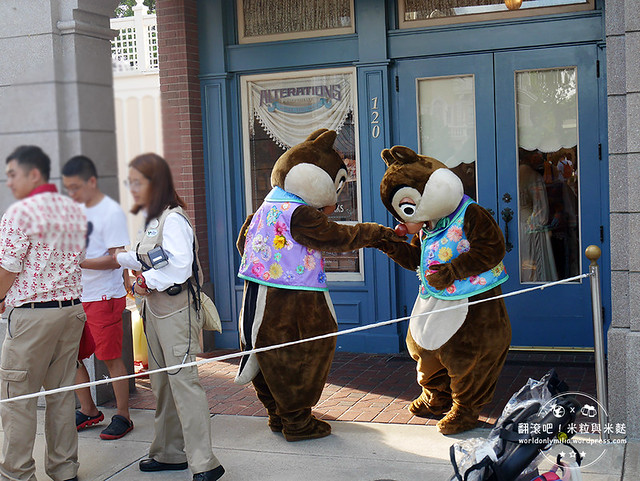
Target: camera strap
{"points": [[145, 266], [195, 270]]}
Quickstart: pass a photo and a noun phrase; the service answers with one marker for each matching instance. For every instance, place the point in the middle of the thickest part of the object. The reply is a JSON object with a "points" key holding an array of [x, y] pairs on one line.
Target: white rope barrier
{"points": [[285, 344]]}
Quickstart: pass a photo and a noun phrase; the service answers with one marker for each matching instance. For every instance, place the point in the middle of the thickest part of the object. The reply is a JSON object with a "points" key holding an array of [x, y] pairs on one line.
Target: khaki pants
{"points": [[182, 420], [40, 350]]}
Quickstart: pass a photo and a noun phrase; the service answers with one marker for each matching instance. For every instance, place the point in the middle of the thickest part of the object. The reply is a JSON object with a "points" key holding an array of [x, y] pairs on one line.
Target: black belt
{"points": [[42, 305]]}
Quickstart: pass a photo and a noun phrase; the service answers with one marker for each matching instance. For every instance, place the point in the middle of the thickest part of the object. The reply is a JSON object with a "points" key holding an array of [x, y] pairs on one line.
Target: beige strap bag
{"points": [[209, 313]]}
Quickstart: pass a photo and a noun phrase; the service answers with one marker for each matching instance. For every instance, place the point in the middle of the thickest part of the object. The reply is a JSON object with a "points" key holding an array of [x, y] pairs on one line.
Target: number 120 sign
{"points": [[375, 115]]}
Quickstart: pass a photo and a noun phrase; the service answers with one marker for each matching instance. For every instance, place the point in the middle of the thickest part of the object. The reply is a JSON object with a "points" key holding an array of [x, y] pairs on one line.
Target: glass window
{"points": [[417, 13], [266, 20], [280, 111], [548, 174], [447, 125]]}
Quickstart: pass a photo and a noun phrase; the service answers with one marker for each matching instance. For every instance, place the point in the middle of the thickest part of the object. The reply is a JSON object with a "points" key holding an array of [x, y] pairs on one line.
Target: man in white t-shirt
{"points": [[103, 294]]}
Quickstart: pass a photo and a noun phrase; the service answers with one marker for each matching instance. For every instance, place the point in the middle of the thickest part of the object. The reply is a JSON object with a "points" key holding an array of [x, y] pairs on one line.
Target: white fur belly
{"points": [[431, 331]]}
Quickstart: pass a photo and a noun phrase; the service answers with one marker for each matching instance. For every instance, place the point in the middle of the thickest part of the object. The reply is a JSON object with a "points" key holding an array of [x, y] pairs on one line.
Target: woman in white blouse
{"points": [[165, 253]]}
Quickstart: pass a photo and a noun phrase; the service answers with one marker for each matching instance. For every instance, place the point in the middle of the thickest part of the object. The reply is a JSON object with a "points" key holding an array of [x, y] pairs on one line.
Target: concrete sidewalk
{"points": [[356, 451]]}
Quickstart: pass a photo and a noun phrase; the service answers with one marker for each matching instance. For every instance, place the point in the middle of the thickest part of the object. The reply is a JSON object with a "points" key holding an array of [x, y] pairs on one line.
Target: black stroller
{"points": [[535, 418]]}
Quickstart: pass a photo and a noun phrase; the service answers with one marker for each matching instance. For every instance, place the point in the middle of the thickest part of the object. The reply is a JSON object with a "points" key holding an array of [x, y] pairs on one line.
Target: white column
{"points": [[56, 85]]}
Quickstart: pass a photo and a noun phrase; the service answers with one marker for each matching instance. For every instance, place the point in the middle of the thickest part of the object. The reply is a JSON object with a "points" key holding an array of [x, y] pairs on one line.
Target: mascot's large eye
{"points": [[340, 183], [405, 203], [408, 208]]}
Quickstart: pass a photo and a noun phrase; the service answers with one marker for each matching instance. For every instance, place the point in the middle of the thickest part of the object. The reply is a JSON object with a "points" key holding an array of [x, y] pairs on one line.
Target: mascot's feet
{"points": [[438, 405], [458, 420], [314, 429], [275, 423]]}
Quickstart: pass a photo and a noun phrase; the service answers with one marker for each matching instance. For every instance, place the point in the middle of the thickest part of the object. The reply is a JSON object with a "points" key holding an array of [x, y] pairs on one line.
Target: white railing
{"points": [[136, 90], [136, 46]]}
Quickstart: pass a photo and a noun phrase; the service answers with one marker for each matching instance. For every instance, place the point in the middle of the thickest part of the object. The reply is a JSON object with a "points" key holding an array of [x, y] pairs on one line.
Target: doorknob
{"points": [[507, 215]]}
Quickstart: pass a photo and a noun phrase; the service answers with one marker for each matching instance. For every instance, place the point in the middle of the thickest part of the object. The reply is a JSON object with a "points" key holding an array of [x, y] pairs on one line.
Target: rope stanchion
{"points": [[593, 254], [285, 344]]}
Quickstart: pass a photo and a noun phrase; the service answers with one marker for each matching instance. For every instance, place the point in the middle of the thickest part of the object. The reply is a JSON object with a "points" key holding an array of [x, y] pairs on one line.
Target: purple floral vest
{"points": [[271, 256]]}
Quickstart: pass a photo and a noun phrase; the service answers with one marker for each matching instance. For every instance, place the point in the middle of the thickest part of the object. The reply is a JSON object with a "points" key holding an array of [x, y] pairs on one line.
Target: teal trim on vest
{"points": [[282, 286], [447, 297], [277, 194], [443, 244]]}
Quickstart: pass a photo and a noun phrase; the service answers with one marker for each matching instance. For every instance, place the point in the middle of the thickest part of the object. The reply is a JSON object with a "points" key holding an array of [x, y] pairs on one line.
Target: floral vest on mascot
{"points": [[271, 256], [442, 244]]}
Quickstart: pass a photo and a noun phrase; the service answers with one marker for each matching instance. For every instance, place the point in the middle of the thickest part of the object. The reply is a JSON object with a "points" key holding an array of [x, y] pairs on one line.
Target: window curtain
{"points": [[547, 109], [290, 109], [267, 17]]}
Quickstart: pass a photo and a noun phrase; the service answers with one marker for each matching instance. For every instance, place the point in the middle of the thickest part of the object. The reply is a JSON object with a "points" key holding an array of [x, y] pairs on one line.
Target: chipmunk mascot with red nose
{"points": [[457, 249], [285, 294]]}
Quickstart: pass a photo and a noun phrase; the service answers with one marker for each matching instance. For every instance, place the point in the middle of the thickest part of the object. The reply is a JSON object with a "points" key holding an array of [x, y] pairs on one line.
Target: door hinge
{"points": [[397, 84], [597, 68], [603, 318], [404, 311], [599, 151], [601, 234]]}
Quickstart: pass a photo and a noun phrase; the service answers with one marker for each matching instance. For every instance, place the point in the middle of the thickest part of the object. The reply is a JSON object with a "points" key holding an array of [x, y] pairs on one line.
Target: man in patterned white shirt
{"points": [[42, 239]]}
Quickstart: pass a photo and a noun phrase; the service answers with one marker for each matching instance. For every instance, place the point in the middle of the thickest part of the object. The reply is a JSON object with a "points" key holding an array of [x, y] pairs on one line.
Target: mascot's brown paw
{"points": [[436, 407], [457, 420], [275, 423], [443, 277], [315, 429]]}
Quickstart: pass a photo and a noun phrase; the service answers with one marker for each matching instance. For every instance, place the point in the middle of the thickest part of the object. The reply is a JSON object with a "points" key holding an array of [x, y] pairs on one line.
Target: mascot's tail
{"points": [[251, 316], [512, 450]]}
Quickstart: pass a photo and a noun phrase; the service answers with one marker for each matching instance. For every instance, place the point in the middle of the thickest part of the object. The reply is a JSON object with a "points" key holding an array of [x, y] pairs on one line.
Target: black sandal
{"points": [[118, 427], [84, 421]]}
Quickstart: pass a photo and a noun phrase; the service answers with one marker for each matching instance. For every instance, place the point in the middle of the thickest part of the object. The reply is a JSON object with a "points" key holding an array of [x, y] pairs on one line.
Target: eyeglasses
{"points": [[132, 184], [73, 189]]}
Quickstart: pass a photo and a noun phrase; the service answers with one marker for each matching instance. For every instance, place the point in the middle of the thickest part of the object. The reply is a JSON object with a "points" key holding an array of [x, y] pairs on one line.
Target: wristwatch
{"points": [[142, 283]]}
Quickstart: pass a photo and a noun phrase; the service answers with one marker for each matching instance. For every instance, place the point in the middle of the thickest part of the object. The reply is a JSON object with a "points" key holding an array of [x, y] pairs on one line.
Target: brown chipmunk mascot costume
{"points": [[457, 250], [285, 293]]}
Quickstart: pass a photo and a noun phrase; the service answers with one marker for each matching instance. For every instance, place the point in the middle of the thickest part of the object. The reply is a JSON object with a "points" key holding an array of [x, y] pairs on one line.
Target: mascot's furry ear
{"points": [[404, 155], [315, 134], [325, 140], [387, 157], [401, 155]]}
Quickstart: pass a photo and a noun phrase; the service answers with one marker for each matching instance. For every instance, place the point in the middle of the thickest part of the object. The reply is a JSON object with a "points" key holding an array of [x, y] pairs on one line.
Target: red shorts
{"points": [[103, 329], [87, 344]]}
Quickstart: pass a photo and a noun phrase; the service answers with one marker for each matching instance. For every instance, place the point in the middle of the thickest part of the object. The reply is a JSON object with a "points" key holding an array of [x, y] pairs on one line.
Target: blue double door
{"points": [[523, 131]]}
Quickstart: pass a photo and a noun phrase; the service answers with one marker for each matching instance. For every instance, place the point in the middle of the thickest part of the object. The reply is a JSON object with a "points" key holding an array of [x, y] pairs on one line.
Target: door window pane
{"points": [[415, 13], [280, 111], [419, 9], [266, 20], [447, 125], [548, 180]]}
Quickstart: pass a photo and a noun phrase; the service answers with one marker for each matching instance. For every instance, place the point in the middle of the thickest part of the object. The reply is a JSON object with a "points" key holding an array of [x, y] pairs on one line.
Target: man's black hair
{"points": [[81, 166], [32, 157]]}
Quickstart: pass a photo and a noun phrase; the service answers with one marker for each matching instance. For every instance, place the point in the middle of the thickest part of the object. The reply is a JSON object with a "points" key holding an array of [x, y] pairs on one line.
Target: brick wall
{"points": [[181, 109]]}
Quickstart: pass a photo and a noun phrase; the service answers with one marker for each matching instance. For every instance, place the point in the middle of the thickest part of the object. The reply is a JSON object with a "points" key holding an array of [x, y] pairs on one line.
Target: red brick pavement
{"points": [[379, 387]]}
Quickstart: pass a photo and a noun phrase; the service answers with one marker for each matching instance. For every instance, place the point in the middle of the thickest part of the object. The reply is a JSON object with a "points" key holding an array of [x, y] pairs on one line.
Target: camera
{"points": [[158, 257]]}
